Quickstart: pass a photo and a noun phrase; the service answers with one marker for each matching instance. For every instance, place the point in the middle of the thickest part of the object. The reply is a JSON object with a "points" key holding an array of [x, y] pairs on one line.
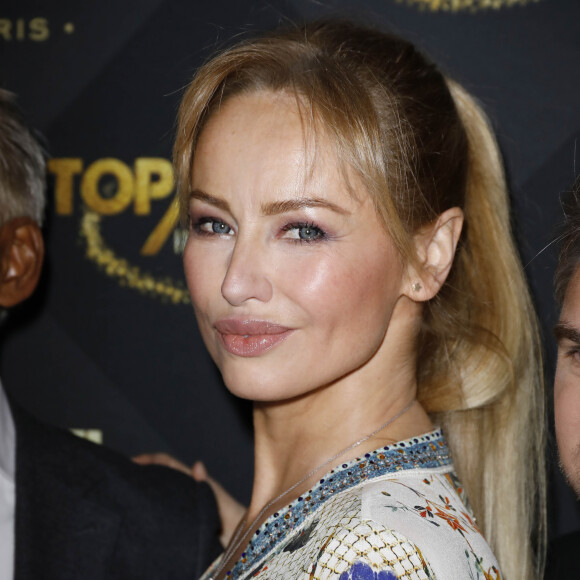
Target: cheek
{"points": [[344, 290], [308, 281], [202, 276], [192, 267]]}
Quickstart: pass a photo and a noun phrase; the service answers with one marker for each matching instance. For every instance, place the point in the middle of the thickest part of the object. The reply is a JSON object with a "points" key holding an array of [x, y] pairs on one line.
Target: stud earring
{"points": [[416, 287]]}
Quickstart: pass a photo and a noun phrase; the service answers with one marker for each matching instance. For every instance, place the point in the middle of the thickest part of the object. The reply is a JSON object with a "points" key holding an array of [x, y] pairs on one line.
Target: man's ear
{"points": [[21, 256], [435, 246]]}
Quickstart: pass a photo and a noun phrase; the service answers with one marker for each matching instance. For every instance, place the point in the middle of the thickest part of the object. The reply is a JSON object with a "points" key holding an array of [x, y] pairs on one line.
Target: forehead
{"points": [[264, 114], [571, 305], [264, 142], [249, 119]]}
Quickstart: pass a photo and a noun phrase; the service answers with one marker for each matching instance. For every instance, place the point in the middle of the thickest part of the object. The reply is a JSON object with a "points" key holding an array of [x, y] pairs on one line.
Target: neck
{"points": [[294, 437], [313, 435]]}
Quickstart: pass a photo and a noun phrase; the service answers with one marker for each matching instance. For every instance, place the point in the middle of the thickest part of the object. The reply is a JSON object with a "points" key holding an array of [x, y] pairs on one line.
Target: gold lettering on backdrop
{"points": [[64, 171], [117, 197], [148, 188], [5, 28], [108, 187], [39, 31], [20, 29], [159, 235], [152, 179], [464, 5]]}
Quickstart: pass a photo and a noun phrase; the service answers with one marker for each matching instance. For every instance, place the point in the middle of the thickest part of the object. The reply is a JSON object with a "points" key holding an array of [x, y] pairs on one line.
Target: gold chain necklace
{"points": [[237, 541]]}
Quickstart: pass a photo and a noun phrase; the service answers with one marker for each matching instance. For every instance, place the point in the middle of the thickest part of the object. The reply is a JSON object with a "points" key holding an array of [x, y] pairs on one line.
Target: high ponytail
{"points": [[494, 393], [420, 145]]}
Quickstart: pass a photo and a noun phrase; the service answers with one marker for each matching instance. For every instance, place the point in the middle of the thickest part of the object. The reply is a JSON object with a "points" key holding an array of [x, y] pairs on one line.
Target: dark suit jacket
{"points": [[563, 560], [84, 512]]}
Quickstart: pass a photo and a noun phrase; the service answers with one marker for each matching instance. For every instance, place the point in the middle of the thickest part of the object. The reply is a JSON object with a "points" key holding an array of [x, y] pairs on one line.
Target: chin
{"points": [[253, 386], [263, 385]]}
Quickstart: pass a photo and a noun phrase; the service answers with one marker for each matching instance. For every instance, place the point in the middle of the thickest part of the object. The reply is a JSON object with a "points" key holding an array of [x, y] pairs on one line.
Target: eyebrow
{"points": [[278, 207], [272, 208], [564, 331], [209, 199]]}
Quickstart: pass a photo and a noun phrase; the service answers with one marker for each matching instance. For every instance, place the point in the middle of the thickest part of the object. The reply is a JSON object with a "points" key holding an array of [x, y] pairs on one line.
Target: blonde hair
{"points": [[420, 145]]}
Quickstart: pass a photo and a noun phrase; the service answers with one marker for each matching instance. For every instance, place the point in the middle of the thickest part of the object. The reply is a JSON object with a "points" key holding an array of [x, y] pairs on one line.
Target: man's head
{"points": [[567, 381], [22, 200]]}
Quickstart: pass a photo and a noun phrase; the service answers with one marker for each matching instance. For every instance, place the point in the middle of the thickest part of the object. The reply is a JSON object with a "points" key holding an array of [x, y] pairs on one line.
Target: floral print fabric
{"points": [[396, 513]]}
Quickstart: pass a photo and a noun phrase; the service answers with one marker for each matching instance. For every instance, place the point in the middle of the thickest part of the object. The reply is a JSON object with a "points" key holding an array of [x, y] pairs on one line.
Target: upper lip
{"points": [[248, 327]]}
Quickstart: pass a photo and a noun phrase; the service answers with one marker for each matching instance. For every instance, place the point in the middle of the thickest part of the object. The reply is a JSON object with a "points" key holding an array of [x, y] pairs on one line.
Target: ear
{"points": [[21, 256], [435, 245]]}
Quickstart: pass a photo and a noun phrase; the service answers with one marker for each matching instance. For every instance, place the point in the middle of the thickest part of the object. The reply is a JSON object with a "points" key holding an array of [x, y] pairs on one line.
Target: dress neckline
{"points": [[424, 451]]}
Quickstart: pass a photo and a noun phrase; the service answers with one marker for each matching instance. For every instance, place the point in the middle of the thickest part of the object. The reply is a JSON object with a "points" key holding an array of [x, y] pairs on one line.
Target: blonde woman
{"points": [[352, 272]]}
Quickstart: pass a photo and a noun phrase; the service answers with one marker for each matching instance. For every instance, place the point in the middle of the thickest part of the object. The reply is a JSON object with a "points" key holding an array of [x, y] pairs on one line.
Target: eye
{"points": [[220, 228], [304, 232], [209, 226], [573, 353]]}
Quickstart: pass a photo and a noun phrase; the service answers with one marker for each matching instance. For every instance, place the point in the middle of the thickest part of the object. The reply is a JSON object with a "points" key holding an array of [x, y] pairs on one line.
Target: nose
{"points": [[247, 276]]}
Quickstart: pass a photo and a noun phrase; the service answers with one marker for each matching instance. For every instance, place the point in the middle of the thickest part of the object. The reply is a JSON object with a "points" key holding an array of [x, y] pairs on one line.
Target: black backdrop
{"points": [[109, 342]]}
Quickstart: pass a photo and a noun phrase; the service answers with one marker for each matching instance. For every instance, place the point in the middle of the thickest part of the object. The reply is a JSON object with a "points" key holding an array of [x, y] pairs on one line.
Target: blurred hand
{"points": [[162, 459], [230, 510]]}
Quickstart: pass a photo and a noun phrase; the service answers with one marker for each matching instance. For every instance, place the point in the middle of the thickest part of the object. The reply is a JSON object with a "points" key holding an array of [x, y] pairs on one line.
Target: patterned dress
{"points": [[397, 513]]}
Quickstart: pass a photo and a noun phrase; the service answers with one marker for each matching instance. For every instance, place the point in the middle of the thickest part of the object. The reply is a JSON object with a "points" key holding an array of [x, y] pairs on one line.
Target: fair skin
{"points": [[301, 296], [567, 384]]}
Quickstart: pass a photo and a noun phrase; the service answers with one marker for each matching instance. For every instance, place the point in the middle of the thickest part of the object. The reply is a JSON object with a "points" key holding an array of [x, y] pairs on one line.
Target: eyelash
{"points": [[320, 234], [197, 226], [573, 351]]}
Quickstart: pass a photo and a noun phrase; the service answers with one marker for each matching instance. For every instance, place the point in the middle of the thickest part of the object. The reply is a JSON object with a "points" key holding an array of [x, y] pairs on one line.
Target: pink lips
{"points": [[250, 337]]}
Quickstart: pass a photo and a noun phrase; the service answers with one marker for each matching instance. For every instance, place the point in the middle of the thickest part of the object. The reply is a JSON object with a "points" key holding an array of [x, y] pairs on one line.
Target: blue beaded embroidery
{"points": [[362, 571], [426, 451]]}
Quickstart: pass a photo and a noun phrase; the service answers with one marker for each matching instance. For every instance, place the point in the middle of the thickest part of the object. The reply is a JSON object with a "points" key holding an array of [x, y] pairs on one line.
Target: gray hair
{"points": [[22, 165]]}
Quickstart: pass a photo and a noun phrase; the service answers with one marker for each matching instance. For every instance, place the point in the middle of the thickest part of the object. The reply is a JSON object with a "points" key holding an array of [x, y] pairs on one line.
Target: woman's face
{"points": [[293, 280]]}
